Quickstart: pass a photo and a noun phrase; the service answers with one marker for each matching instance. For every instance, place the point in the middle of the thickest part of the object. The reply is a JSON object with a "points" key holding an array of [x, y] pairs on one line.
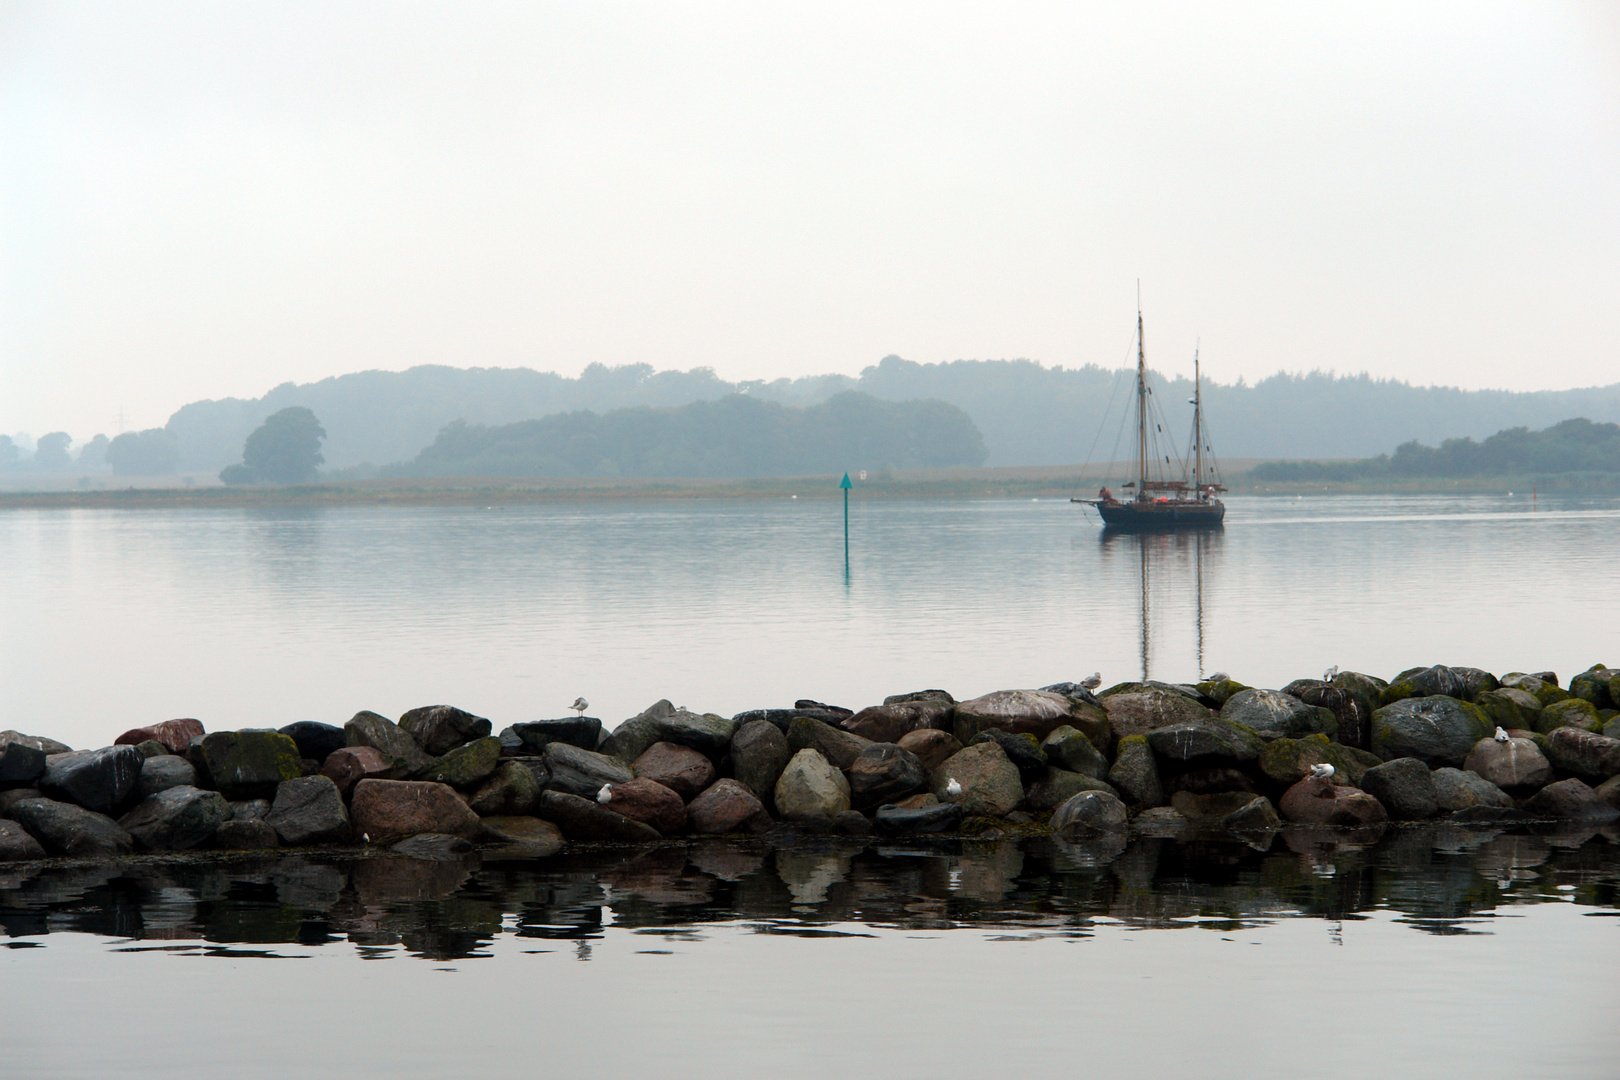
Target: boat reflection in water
{"points": [[1172, 567]]}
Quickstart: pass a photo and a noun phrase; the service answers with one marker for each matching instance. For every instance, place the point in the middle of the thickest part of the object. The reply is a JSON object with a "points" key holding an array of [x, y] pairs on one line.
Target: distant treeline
{"points": [[1576, 445], [736, 436]]}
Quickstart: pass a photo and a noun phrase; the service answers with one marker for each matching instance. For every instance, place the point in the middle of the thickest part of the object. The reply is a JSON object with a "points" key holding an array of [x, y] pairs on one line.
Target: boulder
{"points": [[1510, 708], [646, 800], [583, 821], [315, 740], [1591, 757], [1593, 686], [38, 742], [10, 796], [520, 837], [884, 773], [250, 810], [1475, 681], [386, 810], [1544, 690], [1209, 737], [1212, 777], [1570, 800], [242, 764], [888, 722], [151, 748], [1458, 789], [759, 753], [94, 779], [176, 818], [465, 767], [439, 729], [810, 787], [381, 733], [1405, 787], [309, 810], [1368, 686], [582, 772], [1135, 773], [1609, 791], [1436, 730], [1239, 811], [584, 732], [727, 806], [20, 764], [1144, 707], [1288, 761], [433, 847], [175, 735], [1572, 712], [1090, 813], [253, 834], [631, 738], [1022, 750], [1068, 749], [989, 781], [942, 696], [162, 773], [65, 829], [349, 765], [1436, 681], [1319, 801], [1272, 714], [1351, 709], [918, 821], [510, 791], [680, 769], [839, 747], [1220, 690], [1058, 786], [1029, 712], [932, 748], [1517, 764], [16, 845], [704, 732]]}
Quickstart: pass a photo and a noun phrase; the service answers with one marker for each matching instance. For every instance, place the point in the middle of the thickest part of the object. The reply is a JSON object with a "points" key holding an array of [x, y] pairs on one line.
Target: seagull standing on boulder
{"points": [[1092, 681], [1502, 735], [605, 796], [580, 705], [1327, 676], [952, 787]]}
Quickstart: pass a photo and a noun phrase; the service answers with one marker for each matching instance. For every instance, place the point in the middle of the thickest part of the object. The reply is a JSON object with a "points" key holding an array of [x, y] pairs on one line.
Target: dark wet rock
{"points": [[884, 773], [1219, 691], [1569, 713], [176, 819], [512, 745], [384, 810], [1405, 787], [631, 738], [646, 800], [1458, 789], [851, 823], [94, 779], [1145, 707], [919, 800], [942, 696], [162, 773], [1510, 708], [583, 821], [1436, 730], [151, 748], [1289, 761], [245, 763], [1272, 714], [1162, 822], [381, 733], [933, 748], [1058, 786], [38, 742], [1022, 750], [250, 809], [20, 764], [11, 796], [439, 729], [1237, 810], [1074, 691], [1319, 801], [810, 787], [310, 810], [16, 845], [1516, 764], [250, 835], [349, 765], [509, 791], [465, 767], [759, 753], [1436, 681], [900, 821], [1543, 690], [1591, 757], [1212, 778], [1475, 681], [433, 847], [887, 723], [1210, 737], [727, 806], [1029, 712], [1609, 791], [1570, 800], [1090, 813], [839, 747], [175, 735], [1068, 749], [583, 772], [681, 769], [1351, 709], [520, 837], [584, 732], [989, 781], [1135, 773], [1593, 686], [65, 829], [314, 739], [706, 733]]}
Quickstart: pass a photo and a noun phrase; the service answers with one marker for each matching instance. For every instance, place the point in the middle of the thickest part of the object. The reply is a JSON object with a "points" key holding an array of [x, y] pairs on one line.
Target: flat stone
{"points": [[349, 765], [65, 829], [1145, 708], [20, 764], [254, 834], [38, 742], [932, 748], [94, 779], [583, 821], [1030, 712], [439, 729], [1058, 786], [1135, 772], [15, 843], [176, 818], [1516, 764], [465, 767], [584, 732], [1457, 789], [315, 740], [839, 747], [1436, 730], [1405, 787], [381, 733], [883, 773], [385, 810], [922, 820], [510, 791], [704, 732], [1591, 757], [680, 769], [310, 810], [1319, 801], [244, 763], [648, 801], [810, 787], [759, 753], [1272, 714], [888, 722], [991, 786], [1567, 800], [583, 772], [1068, 749], [1090, 813], [162, 773], [175, 735], [1212, 737], [520, 837], [727, 806]]}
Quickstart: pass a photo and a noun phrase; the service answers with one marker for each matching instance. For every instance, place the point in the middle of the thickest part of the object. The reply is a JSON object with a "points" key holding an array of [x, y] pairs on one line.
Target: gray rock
{"points": [[1068, 749], [439, 729], [1572, 712], [583, 772], [1241, 811], [433, 847], [1436, 681], [839, 747], [1319, 801], [1022, 750], [1351, 709], [310, 810], [250, 809], [510, 791], [1593, 686], [1135, 774], [1591, 757], [1544, 690], [990, 783], [1570, 800], [1027, 712], [1058, 786], [151, 748], [1475, 681], [1145, 707], [888, 722], [465, 767], [38, 742], [176, 818], [314, 739], [65, 829], [583, 821], [584, 732], [884, 773], [810, 787], [20, 764], [898, 821], [681, 769], [94, 779], [16, 845], [759, 753], [1090, 813], [163, 772], [726, 807], [387, 737], [630, 739], [1213, 737], [932, 747], [1405, 788], [704, 732], [1609, 791], [1272, 714], [246, 763], [1510, 708], [1457, 789], [1517, 764], [254, 834], [1435, 730], [520, 837]]}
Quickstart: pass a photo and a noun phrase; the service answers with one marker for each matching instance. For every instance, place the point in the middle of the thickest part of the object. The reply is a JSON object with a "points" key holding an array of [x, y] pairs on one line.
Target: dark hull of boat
{"points": [[1165, 516]]}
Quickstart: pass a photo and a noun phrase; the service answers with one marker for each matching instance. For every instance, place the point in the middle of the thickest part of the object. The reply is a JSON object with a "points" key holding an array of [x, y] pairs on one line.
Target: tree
{"points": [[51, 453], [285, 449], [143, 453]]}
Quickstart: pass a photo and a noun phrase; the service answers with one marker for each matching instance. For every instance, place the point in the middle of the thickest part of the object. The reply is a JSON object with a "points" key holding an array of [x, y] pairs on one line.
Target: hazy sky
{"points": [[208, 199]]}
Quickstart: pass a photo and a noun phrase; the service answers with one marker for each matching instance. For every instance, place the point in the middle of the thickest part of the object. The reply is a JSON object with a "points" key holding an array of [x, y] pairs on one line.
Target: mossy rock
{"points": [[1571, 712], [1289, 761], [1545, 691], [1593, 686], [1437, 730], [465, 767], [1510, 707], [1369, 686], [1219, 692]]}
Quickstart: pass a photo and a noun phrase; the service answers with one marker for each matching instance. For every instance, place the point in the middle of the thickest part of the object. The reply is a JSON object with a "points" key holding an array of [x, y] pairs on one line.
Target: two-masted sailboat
{"points": [[1154, 503]]}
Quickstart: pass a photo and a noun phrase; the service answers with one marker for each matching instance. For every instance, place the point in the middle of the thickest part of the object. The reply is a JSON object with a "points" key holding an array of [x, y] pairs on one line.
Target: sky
{"points": [[203, 200]]}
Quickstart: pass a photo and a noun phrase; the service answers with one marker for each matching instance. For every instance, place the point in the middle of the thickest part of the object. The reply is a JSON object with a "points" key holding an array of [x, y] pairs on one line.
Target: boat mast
{"points": [[1198, 430], [1141, 405]]}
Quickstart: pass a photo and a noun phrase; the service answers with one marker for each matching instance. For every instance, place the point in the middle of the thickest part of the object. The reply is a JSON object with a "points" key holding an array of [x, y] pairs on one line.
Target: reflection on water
{"points": [[1174, 564], [1439, 880]]}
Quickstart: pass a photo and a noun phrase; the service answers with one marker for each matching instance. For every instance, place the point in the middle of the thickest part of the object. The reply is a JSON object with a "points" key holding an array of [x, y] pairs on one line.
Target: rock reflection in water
{"points": [[1442, 880]]}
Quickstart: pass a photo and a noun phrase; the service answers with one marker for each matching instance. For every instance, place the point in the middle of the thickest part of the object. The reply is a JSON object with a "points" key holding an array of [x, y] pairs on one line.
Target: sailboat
{"points": [[1155, 504]]}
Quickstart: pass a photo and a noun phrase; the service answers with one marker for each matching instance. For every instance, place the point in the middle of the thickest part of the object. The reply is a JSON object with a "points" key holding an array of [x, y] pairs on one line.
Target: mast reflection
{"points": [[1171, 561]]}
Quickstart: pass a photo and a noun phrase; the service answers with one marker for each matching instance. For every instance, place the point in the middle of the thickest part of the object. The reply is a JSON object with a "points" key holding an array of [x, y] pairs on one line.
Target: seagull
{"points": [[952, 787], [1321, 772], [580, 705], [605, 796], [1327, 676], [1502, 735], [1220, 676], [1092, 681]]}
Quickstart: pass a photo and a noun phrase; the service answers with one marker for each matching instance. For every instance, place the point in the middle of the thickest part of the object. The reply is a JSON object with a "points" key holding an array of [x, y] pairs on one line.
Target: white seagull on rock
{"points": [[952, 787], [580, 705], [1327, 676], [1220, 676], [605, 796], [1502, 735], [1321, 772], [1092, 681]]}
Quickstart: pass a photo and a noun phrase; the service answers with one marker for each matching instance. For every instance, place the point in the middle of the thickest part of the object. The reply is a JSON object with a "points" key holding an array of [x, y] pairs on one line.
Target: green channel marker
{"points": [[846, 485]]}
